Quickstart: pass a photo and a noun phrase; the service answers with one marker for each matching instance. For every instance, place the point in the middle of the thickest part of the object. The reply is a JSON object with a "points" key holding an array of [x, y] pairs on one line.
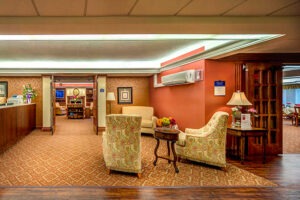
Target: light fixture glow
{"points": [[208, 41]]}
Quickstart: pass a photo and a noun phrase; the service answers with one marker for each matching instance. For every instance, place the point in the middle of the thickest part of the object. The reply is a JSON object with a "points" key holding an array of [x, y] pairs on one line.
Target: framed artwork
{"points": [[3, 89], [124, 95]]}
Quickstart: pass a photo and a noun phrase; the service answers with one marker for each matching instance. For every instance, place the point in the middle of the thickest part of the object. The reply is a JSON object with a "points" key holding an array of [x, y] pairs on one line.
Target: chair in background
{"points": [[91, 108], [60, 110], [148, 118], [207, 144], [296, 115], [122, 143]]}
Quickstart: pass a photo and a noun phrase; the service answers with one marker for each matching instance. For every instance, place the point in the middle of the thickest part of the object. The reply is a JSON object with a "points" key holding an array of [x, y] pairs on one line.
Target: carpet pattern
{"points": [[73, 157], [291, 139]]}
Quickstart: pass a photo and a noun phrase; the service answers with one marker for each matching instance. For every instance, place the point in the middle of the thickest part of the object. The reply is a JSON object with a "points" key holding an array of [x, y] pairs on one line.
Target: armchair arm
{"points": [[154, 119], [195, 131]]}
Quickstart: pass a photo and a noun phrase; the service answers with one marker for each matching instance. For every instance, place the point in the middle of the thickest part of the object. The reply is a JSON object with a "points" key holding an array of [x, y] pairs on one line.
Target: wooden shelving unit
{"points": [[89, 96], [75, 111], [80, 100], [264, 90]]}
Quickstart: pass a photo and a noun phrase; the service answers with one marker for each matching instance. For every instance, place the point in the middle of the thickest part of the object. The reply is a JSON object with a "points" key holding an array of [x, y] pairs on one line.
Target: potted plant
{"points": [[29, 93]]}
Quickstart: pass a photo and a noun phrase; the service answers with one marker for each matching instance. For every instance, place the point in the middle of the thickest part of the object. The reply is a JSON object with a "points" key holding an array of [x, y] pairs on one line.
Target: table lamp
{"points": [[110, 97], [238, 99]]}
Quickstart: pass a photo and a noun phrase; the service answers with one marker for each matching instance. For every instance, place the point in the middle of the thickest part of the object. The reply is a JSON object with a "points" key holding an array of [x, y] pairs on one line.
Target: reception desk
{"points": [[16, 121]]}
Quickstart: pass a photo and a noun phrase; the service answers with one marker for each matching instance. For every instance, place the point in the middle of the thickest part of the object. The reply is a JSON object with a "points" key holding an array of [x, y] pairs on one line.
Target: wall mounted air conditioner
{"points": [[184, 77]]}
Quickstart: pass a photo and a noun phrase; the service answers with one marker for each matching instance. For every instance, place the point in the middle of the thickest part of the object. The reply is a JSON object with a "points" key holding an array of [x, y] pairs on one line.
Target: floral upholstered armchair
{"points": [[122, 143], [207, 144]]}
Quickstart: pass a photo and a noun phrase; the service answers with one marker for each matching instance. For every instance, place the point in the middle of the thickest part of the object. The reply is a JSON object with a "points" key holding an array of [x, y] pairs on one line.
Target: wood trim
{"points": [[101, 129], [46, 129]]}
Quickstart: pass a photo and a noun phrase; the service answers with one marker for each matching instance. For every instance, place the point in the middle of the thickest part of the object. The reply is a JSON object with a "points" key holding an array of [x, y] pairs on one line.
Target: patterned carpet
{"points": [[73, 157], [291, 139]]}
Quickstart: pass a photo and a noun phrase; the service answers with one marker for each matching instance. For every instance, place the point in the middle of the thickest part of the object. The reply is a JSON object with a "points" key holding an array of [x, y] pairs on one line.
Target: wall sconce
{"points": [[110, 97]]}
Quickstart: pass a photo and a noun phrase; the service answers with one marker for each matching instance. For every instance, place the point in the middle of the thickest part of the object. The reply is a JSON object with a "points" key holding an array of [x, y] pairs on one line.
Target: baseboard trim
{"points": [[101, 129], [46, 129]]}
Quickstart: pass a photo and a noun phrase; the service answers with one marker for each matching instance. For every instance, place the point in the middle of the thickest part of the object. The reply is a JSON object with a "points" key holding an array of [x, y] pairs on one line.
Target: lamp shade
{"points": [[110, 96], [239, 99]]}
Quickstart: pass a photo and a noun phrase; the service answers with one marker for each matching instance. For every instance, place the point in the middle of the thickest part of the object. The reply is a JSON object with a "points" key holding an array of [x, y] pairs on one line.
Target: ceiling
{"points": [[86, 8], [145, 16]]}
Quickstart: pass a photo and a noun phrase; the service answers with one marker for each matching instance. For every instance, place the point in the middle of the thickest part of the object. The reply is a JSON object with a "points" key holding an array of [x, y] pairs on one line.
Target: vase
{"points": [[28, 100], [233, 121]]}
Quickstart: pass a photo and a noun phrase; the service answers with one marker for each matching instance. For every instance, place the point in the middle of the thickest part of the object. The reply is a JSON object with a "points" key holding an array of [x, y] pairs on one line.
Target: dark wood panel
{"points": [[16, 122]]}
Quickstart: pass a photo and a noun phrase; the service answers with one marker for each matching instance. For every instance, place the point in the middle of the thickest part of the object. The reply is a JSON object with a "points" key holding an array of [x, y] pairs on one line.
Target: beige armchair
{"points": [[207, 144], [148, 119], [60, 110], [122, 143]]}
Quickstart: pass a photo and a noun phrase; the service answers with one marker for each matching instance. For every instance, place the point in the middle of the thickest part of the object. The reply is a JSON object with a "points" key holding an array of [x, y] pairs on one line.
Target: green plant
{"points": [[29, 92]]}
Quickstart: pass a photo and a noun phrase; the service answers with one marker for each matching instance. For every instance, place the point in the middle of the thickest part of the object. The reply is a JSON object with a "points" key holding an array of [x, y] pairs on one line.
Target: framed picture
{"points": [[124, 95], [3, 89]]}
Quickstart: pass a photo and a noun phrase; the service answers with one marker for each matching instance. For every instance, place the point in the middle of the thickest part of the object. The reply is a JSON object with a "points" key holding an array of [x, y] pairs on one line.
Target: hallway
{"points": [[291, 138]]}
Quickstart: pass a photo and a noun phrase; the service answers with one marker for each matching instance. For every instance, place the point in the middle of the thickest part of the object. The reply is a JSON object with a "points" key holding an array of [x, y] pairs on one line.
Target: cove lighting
{"points": [[214, 45], [78, 65], [137, 37]]}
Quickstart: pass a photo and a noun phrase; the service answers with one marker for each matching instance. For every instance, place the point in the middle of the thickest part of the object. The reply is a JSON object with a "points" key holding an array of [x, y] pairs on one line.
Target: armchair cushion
{"points": [[147, 123], [122, 143]]}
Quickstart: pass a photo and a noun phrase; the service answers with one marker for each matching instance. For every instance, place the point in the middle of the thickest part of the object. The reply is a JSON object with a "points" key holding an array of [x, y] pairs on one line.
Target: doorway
{"points": [[74, 101], [290, 99]]}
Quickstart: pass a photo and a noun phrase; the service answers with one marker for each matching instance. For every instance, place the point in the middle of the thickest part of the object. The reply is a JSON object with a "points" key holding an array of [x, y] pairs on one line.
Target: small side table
{"points": [[244, 134], [171, 136]]}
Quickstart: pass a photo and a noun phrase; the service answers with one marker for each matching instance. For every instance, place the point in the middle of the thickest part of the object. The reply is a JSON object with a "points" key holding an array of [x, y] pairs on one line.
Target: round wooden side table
{"points": [[171, 136]]}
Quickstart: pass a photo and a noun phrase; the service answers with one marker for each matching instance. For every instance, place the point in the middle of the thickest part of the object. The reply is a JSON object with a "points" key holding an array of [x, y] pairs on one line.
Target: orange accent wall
{"points": [[193, 105], [140, 91], [15, 86], [185, 103], [65, 85], [216, 70]]}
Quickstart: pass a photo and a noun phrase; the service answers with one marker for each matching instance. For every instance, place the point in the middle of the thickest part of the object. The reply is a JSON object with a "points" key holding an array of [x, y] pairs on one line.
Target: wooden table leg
{"points": [[155, 152], [168, 144], [264, 147], [175, 157], [242, 141]]}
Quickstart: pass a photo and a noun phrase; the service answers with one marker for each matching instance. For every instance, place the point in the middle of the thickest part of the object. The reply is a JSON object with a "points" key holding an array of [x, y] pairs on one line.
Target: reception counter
{"points": [[16, 121]]}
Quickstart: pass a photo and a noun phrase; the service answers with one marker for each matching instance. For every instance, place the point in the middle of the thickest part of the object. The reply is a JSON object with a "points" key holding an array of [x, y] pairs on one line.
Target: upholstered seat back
{"points": [[122, 143], [144, 111]]}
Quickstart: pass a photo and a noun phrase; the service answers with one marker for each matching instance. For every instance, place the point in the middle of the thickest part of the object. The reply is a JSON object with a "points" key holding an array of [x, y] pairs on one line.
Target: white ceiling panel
{"points": [[208, 8], [60, 8], [293, 9], [17, 8], [109, 7], [158, 7], [259, 7]]}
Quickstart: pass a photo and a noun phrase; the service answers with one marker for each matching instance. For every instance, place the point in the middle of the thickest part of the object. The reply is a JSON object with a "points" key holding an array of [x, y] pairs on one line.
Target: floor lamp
{"points": [[110, 97]]}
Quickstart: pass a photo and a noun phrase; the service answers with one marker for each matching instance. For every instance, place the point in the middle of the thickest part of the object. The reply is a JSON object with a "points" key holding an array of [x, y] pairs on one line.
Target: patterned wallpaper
{"points": [[140, 91], [15, 86]]}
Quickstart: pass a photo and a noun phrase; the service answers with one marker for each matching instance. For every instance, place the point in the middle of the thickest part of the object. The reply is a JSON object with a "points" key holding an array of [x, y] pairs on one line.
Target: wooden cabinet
{"points": [[79, 100], [89, 96], [75, 111], [264, 90], [16, 122]]}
